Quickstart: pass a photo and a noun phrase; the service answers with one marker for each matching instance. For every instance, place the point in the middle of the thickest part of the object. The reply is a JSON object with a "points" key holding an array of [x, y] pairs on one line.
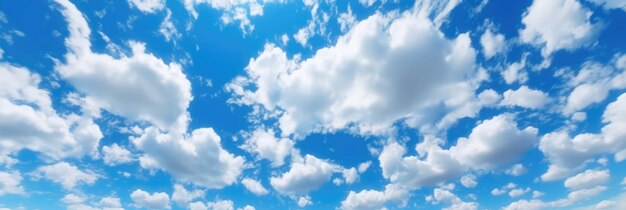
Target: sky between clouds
{"points": [[314, 104]]}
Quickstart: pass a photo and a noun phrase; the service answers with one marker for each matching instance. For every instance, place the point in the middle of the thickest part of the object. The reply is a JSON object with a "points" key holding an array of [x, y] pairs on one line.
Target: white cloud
{"points": [[232, 11], [10, 183], [571, 198], [304, 201], [198, 205], [221, 205], [558, 24], [372, 199], [504, 189], [364, 166], [493, 43], [182, 196], [157, 200], [66, 175], [374, 53], [264, 143], [114, 155], [567, 155], [168, 29], [469, 181], [254, 186], [346, 20], [515, 72], [148, 6], [350, 175], [140, 87], [494, 143], [454, 202], [304, 176], [588, 179], [72, 199], [28, 120], [518, 192], [197, 157], [593, 83], [605, 204], [110, 203], [537, 194], [366, 199], [516, 170], [525, 97], [491, 145]]}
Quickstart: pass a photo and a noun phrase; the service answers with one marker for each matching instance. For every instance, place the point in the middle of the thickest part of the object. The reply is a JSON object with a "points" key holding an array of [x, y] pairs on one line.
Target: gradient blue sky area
{"points": [[496, 104]]}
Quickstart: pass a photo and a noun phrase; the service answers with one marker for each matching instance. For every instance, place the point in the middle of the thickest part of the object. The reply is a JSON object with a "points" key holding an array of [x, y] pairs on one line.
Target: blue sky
{"points": [[314, 104]]}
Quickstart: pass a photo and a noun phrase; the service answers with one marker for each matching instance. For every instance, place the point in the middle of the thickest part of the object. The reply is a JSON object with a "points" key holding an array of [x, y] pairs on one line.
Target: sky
{"points": [[313, 104]]}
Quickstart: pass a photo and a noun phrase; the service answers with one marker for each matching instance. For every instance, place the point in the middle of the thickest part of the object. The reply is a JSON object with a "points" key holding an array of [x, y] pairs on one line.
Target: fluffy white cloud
{"points": [[110, 203], [221, 205], [494, 143], [304, 176], [593, 83], [372, 199], [493, 43], [558, 24], [516, 170], [10, 183], [114, 155], [72, 199], [139, 87], [469, 181], [454, 202], [304, 201], [197, 157], [254, 186], [28, 121], [588, 179], [68, 176], [504, 189], [515, 72], [491, 145], [182, 196], [148, 6], [157, 200], [571, 198], [518, 192], [264, 143], [525, 97], [365, 77], [346, 20], [566, 154]]}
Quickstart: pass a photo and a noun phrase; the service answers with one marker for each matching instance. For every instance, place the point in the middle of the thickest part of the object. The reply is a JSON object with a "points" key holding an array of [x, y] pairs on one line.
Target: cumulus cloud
{"points": [[197, 157], [10, 183], [254, 186], [493, 144], [148, 6], [139, 87], [516, 170], [593, 83], [266, 145], [304, 176], [469, 181], [65, 174], [556, 25], [441, 195], [588, 179], [567, 155], [28, 120], [372, 199], [365, 77], [182, 196], [157, 200], [115, 154], [571, 198], [493, 43], [525, 97]]}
